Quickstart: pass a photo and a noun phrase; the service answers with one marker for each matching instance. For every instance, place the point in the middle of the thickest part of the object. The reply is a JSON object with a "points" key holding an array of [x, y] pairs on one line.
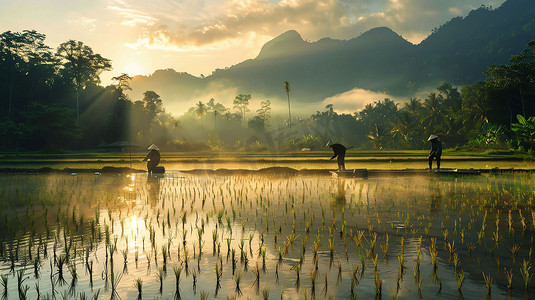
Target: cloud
{"points": [[354, 100], [414, 19], [87, 23], [132, 17], [212, 23]]}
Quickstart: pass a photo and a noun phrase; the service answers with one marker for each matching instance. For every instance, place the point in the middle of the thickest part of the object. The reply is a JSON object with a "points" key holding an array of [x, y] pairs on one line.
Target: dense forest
{"points": [[53, 100]]}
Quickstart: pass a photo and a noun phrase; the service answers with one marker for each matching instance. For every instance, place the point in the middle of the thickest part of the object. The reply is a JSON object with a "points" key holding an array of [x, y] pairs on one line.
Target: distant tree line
{"points": [[52, 100]]}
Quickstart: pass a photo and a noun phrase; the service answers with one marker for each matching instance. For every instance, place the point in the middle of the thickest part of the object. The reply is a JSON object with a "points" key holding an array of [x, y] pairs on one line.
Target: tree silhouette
{"points": [[264, 112], [153, 104], [200, 110], [82, 67], [217, 109], [24, 57], [241, 102], [433, 114], [287, 88]]}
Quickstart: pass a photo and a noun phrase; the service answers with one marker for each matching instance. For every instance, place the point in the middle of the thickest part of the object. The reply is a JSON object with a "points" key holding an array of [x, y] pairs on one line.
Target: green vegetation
{"points": [[53, 101]]}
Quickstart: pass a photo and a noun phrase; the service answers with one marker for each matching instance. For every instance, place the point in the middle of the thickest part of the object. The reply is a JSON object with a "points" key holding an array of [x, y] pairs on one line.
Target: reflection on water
{"points": [[249, 236]]}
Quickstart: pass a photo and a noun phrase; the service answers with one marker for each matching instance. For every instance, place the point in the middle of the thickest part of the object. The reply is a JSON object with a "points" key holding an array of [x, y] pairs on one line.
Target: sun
{"points": [[133, 68]]}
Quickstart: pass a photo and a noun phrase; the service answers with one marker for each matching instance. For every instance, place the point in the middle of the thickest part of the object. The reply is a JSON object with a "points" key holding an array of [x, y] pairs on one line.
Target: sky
{"points": [[198, 36]]}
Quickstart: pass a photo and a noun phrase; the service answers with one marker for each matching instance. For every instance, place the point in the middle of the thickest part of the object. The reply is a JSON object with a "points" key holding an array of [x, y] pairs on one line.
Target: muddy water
{"points": [[95, 235]]}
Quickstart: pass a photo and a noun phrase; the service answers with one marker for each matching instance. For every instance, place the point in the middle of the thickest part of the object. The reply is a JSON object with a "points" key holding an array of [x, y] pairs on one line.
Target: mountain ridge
{"points": [[379, 60]]}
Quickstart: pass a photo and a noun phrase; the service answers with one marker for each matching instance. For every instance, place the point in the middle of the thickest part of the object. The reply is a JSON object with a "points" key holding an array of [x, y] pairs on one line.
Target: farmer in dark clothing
{"points": [[153, 158], [436, 151], [340, 151]]}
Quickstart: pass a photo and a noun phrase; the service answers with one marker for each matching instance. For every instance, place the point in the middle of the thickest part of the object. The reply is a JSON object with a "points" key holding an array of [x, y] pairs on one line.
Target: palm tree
{"points": [[414, 106], [200, 111], [405, 127], [287, 88], [432, 107], [217, 109]]}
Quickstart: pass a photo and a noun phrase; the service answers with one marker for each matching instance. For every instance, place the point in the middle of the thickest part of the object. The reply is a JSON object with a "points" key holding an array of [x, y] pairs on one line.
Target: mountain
{"points": [[458, 52]]}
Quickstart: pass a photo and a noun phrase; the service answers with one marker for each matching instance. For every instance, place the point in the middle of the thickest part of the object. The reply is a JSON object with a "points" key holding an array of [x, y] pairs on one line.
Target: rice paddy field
{"points": [[194, 236]]}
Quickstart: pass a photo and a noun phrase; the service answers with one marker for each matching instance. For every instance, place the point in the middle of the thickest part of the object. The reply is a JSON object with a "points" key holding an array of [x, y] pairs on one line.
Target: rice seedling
{"points": [[460, 279], [4, 282], [237, 279], [164, 256], [233, 260], [470, 247], [522, 221], [138, 283], [263, 259], [509, 277], [378, 285], [434, 254], [74, 275], [115, 279], [384, 247], [451, 248], [245, 261], [525, 272], [256, 272], [371, 250], [265, 293], [36, 266], [177, 271], [23, 289], [514, 249], [160, 277], [60, 263], [488, 281]]}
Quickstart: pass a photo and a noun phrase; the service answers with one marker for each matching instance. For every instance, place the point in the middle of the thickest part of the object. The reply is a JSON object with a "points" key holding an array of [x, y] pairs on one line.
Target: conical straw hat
{"points": [[153, 147], [432, 137]]}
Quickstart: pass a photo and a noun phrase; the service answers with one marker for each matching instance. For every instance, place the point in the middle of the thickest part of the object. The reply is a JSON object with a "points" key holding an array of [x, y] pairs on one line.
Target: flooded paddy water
{"points": [[257, 236]]}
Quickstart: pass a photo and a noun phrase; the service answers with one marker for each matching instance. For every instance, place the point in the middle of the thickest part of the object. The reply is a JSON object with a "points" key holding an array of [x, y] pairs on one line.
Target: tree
{"points": [[517, 77], [376, 118], [405, 127], [433, 115], [264, 112], [153, 104], [81, 66], [287, 88], [123, 84], [414, 107], [452, 97], [241, 102], [25, 61], [216, 108], [200, 110]]}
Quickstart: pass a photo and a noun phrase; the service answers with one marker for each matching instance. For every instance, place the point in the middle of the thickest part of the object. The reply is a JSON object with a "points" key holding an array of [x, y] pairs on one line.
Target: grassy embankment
{"points": [[256, 160]]}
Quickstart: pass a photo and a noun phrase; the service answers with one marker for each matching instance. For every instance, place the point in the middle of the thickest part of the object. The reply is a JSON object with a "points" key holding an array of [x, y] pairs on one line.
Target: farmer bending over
{"points": [[153, 158], [340, 151]]}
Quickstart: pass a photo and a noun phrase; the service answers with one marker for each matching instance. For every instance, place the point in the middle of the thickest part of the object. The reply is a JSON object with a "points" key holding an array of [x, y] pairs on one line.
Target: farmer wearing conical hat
{"points": [[340, 151], [436, 151], [153, 158]]}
